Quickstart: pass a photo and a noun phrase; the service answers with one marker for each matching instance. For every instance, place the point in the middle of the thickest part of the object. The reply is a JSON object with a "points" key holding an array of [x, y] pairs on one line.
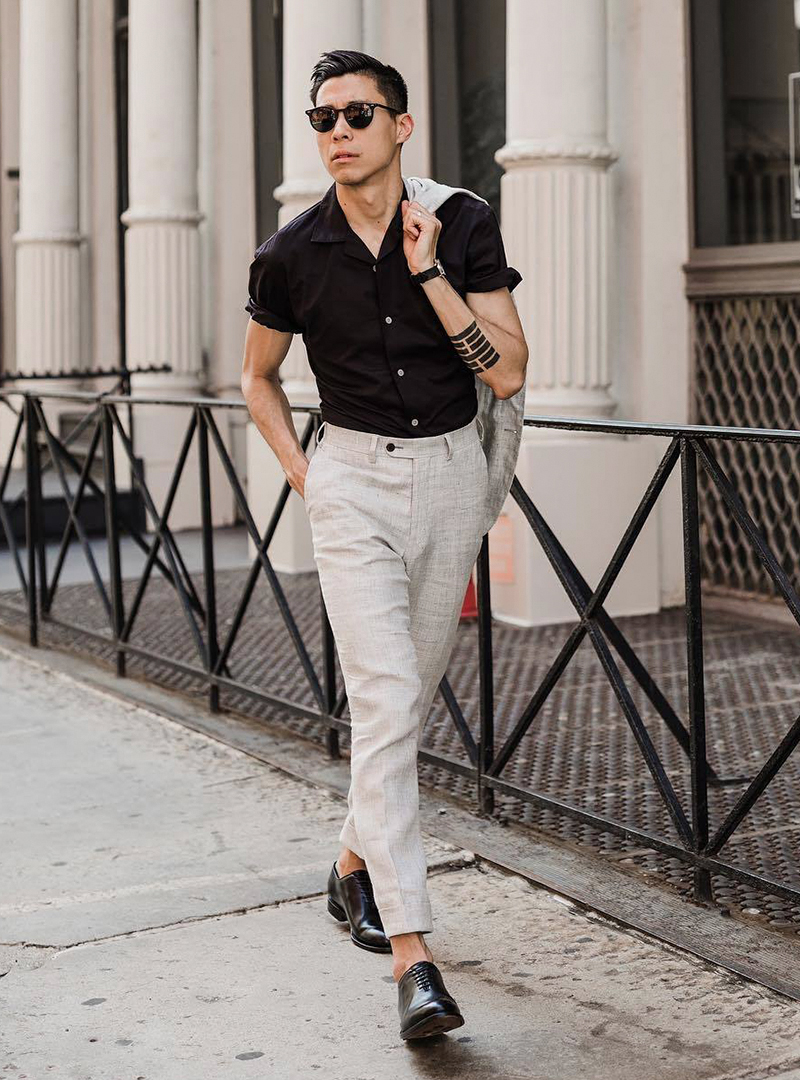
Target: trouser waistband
{"points": [[372, 444]]}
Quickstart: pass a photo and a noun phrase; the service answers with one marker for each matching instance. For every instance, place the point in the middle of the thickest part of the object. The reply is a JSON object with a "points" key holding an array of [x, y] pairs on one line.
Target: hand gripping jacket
{"points": [[501, 417]]}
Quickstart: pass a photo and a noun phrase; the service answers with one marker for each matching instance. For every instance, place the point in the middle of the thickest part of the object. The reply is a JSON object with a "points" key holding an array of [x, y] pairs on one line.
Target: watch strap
{"points": [[437, 270]]}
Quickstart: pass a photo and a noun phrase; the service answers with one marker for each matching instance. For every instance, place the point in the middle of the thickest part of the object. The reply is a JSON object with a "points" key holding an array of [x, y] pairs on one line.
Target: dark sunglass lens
{"points": [[322, 119], [359, 115]]}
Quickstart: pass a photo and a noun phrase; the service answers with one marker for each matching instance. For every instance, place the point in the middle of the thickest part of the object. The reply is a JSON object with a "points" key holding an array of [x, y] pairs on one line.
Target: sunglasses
{"points": [[358, 114]]}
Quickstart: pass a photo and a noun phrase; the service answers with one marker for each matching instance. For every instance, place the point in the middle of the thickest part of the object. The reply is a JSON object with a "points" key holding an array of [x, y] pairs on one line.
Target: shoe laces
{"points": [[365, 885], [421, 975]]}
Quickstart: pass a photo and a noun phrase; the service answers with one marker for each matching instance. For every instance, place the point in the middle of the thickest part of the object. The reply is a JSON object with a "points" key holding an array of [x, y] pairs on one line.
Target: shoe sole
{"points": [[341, 916], [433, 1025]]}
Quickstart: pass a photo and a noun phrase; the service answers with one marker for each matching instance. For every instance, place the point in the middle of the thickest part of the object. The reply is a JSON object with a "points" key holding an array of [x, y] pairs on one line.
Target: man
{"points": [[397, 489]]}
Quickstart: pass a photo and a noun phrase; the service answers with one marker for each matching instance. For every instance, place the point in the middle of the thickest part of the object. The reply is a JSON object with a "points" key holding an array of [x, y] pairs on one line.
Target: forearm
{"points": [[271, 413], [495, 356]]}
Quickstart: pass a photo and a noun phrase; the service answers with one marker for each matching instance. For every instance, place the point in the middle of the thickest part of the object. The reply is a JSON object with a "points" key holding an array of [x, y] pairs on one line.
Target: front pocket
{"points": [[473, 478], [309, 473]]}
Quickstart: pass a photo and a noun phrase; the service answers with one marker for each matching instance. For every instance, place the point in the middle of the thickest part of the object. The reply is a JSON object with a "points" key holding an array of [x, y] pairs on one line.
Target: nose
{"points": [[341, 126]]}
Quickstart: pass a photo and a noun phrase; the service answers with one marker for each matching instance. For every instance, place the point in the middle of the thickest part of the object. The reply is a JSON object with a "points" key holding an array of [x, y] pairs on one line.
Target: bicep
{"points": [[265, 350]]}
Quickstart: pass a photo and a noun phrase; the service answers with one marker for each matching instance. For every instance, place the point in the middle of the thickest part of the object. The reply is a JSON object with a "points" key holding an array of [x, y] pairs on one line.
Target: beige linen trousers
{"points": [[396, 525]]}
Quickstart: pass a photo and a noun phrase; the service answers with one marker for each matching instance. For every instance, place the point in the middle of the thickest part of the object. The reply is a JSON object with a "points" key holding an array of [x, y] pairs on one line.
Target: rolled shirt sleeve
{"points": [[486, 266], [269, 303]]}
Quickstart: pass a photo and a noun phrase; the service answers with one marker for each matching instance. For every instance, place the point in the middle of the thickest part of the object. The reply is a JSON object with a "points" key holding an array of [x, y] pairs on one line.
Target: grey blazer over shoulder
{"points": [[501, 417]]}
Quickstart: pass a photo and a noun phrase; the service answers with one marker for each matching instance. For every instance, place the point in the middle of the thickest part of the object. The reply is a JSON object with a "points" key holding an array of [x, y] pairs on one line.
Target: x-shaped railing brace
{"points": [[592, 620]]}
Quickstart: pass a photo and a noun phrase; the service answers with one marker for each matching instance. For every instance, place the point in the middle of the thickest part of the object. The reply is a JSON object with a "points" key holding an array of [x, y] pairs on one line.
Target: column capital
{"points": [[301, 189], [142, 216], [564, 151], [74, 239]]}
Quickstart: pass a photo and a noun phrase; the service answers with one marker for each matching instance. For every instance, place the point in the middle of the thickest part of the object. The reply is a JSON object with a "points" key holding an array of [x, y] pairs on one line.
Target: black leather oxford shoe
{"points": [[424, 1004], [351, 900]]}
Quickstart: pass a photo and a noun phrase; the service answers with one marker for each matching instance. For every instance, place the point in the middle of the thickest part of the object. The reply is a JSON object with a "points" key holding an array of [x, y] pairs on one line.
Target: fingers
{"points": [[415, 217]]}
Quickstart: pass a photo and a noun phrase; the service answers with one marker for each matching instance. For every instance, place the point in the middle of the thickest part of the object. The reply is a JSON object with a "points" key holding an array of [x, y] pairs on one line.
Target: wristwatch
{"points": [[437, 270]]}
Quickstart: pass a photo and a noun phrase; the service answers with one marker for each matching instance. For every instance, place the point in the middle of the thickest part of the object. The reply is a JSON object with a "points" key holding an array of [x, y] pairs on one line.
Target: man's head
{"points": [[342, 77]]}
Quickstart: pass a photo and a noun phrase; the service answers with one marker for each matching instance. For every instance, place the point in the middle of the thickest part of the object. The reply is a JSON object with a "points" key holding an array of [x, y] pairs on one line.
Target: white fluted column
{"points": [[399, 37], [162, 260], [555, 215], [306, 35], [47, 243], [162, 247], [555, 198]]}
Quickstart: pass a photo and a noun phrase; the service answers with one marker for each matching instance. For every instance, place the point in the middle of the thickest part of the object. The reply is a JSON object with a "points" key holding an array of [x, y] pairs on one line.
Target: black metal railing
{"points": [[485, 764]]}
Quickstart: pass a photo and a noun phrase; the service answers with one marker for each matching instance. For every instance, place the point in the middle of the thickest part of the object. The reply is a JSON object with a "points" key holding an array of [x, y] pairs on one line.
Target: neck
{"points": [[372, 202]]}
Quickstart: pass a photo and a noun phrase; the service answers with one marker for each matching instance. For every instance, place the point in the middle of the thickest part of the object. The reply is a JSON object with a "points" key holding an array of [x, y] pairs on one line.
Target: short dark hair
{"points": [[345, 62]]}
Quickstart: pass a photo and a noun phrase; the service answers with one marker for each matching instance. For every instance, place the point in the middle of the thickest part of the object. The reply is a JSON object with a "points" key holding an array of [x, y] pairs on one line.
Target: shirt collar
{"points": [[332, 225]]}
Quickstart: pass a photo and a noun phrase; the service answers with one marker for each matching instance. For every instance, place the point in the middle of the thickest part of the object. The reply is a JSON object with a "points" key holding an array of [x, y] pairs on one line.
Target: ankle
{"points": [[348, 861], [408, 949]]}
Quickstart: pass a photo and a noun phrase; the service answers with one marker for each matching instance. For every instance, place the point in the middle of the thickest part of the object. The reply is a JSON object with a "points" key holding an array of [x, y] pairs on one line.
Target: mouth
{"points": [[345, 157]]}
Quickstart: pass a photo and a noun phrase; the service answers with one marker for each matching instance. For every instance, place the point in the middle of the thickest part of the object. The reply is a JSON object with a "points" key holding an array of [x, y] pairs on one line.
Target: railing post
{"points": [[209, 579], [486, 677], [33, 521], [112, 536], [694, 657]]}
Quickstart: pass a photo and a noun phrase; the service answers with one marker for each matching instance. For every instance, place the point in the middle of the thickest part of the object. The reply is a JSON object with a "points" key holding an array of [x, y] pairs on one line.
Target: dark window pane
{"points": [[468, 83], [268, 107], [742, 55]]}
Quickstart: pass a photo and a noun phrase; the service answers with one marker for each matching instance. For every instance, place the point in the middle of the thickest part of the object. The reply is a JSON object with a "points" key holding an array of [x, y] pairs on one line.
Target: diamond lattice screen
{"points": [[747, 374]]}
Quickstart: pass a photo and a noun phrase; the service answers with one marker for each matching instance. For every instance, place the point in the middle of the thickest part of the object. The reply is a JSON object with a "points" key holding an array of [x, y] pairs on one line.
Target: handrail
{"points": [[564, 423]]}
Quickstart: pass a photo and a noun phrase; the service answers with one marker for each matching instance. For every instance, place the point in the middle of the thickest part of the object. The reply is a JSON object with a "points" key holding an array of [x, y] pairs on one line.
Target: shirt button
{"points": [[414, 423], [390, 446], [400, 371], [388, 318]]}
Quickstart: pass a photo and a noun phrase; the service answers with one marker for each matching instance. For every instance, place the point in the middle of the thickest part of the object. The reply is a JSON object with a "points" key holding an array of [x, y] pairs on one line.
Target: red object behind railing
{"points": [[469, 609]]}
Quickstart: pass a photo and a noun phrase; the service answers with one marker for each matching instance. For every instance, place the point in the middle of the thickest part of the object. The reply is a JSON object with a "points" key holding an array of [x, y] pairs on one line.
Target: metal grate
{"points": [[747, 374], [582, 751]]}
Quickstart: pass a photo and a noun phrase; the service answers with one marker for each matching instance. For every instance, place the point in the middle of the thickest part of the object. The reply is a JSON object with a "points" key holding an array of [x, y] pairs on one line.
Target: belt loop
{"points": [[373, 442], [318, 432], [448, 439], [479, 422]]}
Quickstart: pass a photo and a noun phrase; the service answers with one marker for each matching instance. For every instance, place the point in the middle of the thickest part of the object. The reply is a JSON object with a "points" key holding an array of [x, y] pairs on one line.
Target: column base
{"points": [[291, 550], [158, 435], [587, 491]]}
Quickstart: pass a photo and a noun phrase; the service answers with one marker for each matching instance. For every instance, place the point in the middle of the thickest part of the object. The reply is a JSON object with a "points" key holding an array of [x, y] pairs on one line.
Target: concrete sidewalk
{"points": [[163, 918]]}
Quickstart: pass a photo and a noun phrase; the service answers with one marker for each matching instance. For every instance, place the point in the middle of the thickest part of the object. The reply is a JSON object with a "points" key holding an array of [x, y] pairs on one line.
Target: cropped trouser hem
{"points": [[411, 919], [348, 837]]}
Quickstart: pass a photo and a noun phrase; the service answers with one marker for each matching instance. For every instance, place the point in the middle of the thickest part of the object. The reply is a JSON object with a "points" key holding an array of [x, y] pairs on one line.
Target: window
{"points": [[468, 93], [742, 54], [268, 111]]}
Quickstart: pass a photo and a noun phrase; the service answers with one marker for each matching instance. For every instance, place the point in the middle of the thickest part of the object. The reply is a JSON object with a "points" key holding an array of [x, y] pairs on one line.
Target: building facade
{"points": [[637, 155]]}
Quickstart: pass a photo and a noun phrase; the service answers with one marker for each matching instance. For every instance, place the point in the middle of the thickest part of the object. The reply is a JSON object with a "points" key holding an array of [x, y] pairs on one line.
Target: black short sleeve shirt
{"points": [[382, 360]]}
